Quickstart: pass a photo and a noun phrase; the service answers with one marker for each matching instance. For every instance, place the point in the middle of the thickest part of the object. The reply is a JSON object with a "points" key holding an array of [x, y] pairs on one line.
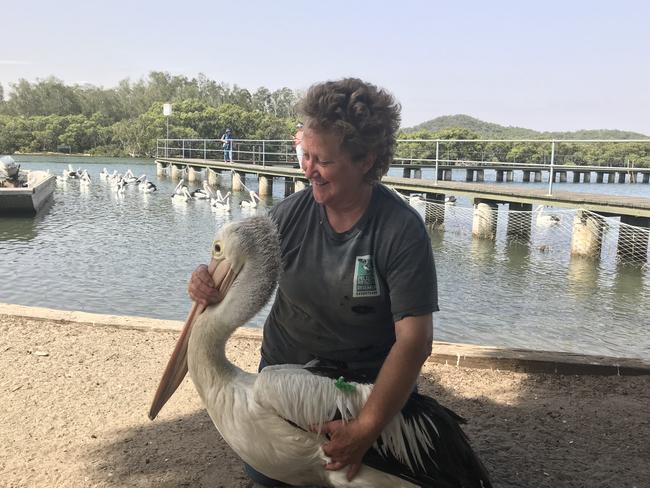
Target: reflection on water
{"points": [[23, 228], [582, 276], [483, 251], [132, 253]]}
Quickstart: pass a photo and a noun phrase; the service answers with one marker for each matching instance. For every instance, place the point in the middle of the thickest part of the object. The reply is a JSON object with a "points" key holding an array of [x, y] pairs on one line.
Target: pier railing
{"points": [[619, 159]]}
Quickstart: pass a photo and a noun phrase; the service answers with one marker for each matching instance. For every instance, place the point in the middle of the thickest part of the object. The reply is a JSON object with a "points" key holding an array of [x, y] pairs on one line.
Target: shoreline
{"points": [[455, 354]]}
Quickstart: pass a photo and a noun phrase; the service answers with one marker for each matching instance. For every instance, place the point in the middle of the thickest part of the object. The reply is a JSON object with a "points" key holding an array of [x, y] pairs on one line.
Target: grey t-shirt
{"points": [[340, 294]]}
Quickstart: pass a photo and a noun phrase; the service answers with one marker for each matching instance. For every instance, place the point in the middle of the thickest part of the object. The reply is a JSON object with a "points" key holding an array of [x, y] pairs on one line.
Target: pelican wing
{"points": [[423, 444], [306, 399]]}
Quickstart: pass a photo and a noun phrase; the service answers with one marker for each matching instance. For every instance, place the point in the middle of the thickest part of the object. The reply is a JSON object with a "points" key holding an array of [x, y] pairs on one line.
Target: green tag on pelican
{"points": [[344, 386]]}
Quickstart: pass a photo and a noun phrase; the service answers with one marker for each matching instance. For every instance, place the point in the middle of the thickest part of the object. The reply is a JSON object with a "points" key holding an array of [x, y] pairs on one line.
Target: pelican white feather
{"points": [[266, 418]]}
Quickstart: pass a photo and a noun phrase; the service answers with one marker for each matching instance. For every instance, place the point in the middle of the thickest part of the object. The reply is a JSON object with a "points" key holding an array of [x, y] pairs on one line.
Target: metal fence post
{"points": [[551, 176], [183, 153], [263, 154], [205, 152], [435, 174]]}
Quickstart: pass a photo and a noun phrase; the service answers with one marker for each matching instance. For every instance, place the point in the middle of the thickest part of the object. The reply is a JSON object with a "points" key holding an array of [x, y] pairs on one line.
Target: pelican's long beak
{"points": [[223, 275]]}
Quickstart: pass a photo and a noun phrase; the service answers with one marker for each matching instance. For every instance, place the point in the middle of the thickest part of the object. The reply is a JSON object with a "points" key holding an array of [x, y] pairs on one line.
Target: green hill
{"points": [[489, 130]]}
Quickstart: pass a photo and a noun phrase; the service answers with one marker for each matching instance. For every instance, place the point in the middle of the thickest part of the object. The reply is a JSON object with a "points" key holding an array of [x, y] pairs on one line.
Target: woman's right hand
{"points": [[201, 287]]}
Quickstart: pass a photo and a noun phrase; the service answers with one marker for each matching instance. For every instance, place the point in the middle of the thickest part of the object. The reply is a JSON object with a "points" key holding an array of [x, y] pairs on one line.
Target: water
{"points": [[97, 251]]}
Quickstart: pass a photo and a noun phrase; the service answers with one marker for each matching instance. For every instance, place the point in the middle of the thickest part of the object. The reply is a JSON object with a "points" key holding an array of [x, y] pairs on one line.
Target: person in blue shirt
{"points": [[226, 139]]}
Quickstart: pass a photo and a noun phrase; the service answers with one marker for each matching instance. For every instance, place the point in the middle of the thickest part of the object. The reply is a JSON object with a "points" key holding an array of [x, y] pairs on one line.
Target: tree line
{"points": [[622, 154], [48, 115]]}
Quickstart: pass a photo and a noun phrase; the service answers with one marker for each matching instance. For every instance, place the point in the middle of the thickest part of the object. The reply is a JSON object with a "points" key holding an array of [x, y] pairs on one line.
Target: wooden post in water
{"points": [[587, 237], [160, 169], [265, 186], [237, 181], [176, 171], [484, 223], [193, 174], [213, 177]]}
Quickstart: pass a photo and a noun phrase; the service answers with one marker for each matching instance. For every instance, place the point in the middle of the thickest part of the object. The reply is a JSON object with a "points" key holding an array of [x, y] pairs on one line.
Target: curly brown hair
{"points": [[366, 117]]}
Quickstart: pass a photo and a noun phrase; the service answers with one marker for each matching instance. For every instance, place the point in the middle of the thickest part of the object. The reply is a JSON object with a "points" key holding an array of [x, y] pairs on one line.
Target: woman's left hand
{"points": [[347, 445]]}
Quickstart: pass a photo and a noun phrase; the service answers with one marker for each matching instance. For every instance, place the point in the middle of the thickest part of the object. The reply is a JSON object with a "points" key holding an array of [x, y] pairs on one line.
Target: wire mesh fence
{"points": [[553, 232]]}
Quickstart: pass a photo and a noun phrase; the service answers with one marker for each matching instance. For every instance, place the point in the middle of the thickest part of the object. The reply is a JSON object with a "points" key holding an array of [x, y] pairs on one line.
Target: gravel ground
{"points": [[74, 400]]}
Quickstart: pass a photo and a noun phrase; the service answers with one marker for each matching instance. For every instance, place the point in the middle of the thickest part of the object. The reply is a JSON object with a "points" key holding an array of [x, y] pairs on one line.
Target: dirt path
{"points": [[74, 401]]}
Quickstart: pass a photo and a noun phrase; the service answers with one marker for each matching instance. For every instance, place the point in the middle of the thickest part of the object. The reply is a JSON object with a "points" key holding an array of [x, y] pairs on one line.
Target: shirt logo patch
{"points": [[366, 283]]}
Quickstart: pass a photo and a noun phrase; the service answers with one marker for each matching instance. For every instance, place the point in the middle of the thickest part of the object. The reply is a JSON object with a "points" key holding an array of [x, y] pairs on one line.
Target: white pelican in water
{"points": [[120, 186], [204, 193], [103, 174], [221, 206], [147, 186], [130, 177], [545, 220], [266, 417], [181, 193], [85, 178], [64, 177], [253, 201]]}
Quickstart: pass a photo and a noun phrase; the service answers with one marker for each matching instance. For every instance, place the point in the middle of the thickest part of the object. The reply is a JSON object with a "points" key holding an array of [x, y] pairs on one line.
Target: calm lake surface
{"points": [[132, 254]]}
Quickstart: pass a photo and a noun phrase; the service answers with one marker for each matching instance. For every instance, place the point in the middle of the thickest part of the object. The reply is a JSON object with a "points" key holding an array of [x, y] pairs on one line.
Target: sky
{"points": [[548, 66]]}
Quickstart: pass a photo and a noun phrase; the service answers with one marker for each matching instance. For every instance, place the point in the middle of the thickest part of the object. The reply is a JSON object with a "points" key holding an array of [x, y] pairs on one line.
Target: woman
{"points": [[226, 139], [358, 286]]}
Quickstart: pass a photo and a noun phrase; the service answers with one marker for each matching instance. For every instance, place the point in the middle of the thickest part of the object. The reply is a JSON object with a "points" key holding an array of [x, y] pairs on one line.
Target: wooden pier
{"points": [[587, 226], [530, 173]]}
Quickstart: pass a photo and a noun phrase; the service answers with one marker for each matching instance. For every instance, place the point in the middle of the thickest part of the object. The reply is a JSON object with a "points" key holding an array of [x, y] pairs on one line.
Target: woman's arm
{"points": [[349, 442]]}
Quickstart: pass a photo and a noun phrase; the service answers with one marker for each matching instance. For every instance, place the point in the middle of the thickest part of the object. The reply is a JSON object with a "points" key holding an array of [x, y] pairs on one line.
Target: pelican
{"points": [[130, 177], [543, 220], [120, 186], [202, 193], [268, 418], [103, 174], [181, 195], [148, 187], [253, 201], [220, 206], [85, 178]]}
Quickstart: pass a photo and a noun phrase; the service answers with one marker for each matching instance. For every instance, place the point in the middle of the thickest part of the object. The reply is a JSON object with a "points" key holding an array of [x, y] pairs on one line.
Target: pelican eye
{"points": [[217, 249]]}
